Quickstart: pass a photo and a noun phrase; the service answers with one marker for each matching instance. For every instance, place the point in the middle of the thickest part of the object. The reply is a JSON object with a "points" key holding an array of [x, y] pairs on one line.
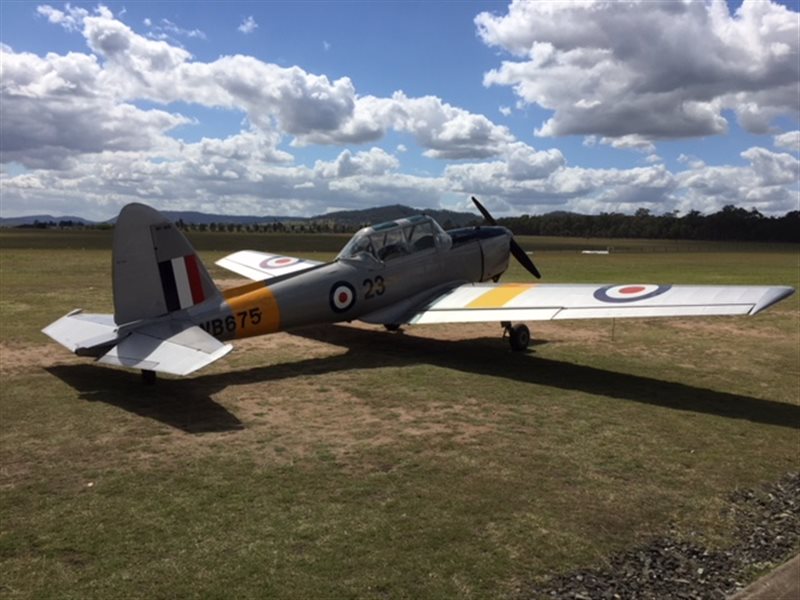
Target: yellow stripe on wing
{"points": [[498, 297]]}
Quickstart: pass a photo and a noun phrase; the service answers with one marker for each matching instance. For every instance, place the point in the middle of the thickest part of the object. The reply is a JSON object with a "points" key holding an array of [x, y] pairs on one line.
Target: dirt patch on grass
{"points": [[305, 416], [227, 283], [725, 327], [274, 413], [16, 359], [281, 398]]}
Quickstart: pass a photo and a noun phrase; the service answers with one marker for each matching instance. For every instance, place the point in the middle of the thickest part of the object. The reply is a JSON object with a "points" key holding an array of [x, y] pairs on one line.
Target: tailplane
{"points": [[155, 269]]}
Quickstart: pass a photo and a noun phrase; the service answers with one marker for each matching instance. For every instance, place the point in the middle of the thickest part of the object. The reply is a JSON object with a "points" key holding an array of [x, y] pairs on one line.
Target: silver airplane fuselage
{"points": [[377, 284]]}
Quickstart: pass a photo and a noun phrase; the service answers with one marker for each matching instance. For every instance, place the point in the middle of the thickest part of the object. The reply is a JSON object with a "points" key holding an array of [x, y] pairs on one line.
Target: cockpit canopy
{"points": [[394, 239]]}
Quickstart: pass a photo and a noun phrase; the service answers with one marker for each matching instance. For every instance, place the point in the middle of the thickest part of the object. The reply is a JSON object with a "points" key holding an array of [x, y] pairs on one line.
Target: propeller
{"points": [[515, 248]]}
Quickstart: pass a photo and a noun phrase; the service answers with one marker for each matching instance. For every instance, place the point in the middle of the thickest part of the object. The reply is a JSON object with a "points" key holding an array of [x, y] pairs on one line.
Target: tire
{"points": [[519, 337]]}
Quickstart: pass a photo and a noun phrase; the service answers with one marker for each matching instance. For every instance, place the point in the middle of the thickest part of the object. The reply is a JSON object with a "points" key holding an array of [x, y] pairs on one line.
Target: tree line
{"points": [[731, 223], [273, 227]]}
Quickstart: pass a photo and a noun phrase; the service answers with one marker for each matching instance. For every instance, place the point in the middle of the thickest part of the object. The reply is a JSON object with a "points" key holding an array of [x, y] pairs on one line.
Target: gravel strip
{"points": [[767, 533]]}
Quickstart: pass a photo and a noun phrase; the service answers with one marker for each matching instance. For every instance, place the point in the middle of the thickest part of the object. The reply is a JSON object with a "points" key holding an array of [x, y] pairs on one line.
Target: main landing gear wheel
{"points": [[148, 377], [519, 336], [392, 326]]}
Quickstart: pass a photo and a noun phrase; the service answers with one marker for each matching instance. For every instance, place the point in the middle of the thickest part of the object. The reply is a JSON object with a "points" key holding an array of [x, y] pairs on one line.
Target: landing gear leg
{"points": [[519, 336], [148, 377]]}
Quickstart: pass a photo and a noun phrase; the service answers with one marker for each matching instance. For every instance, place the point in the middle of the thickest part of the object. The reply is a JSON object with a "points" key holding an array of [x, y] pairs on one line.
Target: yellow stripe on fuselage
{"points": [[499, 296], [255, 309]]}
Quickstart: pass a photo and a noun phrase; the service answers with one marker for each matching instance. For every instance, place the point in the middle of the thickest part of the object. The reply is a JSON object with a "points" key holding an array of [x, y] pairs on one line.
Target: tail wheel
{"points": [[519, 336]]}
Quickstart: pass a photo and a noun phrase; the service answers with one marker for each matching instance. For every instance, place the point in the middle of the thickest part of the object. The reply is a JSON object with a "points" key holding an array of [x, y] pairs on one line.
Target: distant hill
{"points": [[188, 217], [32, 219], [199, 218], [350, 219]]}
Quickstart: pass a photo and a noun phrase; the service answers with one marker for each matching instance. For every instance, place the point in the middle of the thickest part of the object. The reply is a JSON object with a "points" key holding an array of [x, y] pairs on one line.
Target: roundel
{"points": [[278, 261], [343, 296], [629, 292]]}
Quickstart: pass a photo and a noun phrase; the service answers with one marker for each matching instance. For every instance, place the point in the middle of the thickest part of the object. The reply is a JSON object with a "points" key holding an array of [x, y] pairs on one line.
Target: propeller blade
{"points": [[489, 218], [515, 248], [524, 259]]}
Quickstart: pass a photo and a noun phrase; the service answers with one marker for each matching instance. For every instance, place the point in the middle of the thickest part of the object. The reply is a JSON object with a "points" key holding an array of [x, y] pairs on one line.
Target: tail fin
{"points": [[156, 270]]}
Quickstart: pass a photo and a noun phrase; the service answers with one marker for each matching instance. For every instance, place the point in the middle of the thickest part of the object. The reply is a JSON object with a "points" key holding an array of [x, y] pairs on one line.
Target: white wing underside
{"points": [[259, 266], [534, 302]]}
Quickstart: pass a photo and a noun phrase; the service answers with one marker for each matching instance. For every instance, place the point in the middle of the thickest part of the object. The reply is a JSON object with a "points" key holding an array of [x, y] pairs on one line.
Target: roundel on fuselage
{"points": [[342, 296]]}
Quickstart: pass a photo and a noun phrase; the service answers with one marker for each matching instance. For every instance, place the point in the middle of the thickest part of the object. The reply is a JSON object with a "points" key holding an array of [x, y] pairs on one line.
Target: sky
{"points": [[302, 108]]}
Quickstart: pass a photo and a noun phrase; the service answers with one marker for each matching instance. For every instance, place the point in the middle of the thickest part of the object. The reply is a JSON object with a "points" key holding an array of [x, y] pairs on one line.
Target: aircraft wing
{"points": [[259, 266], [172, 347], [545, 302]]}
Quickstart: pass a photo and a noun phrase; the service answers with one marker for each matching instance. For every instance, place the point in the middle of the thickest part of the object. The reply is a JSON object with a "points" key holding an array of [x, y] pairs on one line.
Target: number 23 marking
{"points": [[374, 287]]}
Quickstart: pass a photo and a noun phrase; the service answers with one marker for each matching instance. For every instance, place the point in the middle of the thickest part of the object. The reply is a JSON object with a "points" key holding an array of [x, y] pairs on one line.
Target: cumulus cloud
{"points": [[310, 107], [248, 25], [60, 108], [446, 131], [524, 175], [53, 109], [654, 70], [71, 18], [374, 162], [789, 140], [771, 168], [94, 130], [769, 182], [169, 31], [761, 184]]}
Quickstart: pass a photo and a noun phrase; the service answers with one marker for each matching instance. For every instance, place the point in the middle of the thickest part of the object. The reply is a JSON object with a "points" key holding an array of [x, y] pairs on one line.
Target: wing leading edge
{"points": [[534, 302]]}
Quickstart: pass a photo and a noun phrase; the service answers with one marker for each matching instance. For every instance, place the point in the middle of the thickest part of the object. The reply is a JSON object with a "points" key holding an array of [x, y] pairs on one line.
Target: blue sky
{"points": [[306, 107]]}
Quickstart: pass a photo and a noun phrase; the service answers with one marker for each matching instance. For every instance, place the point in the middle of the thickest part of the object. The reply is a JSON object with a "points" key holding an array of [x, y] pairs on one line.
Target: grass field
{"points": [[347, 462]]}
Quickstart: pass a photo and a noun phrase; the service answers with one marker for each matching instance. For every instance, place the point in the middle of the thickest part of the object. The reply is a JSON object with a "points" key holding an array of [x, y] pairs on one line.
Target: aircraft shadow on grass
{"points": [[180, 403], [187, 404]]}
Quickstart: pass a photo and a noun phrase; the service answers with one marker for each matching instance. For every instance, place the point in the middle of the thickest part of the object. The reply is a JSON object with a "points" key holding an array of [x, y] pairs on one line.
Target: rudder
{"points": [[155, 269]]}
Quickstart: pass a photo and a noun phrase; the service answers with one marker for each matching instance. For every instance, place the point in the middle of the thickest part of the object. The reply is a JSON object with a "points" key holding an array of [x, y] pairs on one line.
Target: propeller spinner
{"points": [[516, 249]]}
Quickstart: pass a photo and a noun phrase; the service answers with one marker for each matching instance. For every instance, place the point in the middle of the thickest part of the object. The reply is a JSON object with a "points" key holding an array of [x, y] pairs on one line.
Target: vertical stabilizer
{"points": [[155, 268]]}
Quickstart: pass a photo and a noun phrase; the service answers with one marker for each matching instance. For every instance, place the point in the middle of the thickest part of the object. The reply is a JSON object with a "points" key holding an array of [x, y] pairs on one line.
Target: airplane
{"points": [[170, 317]]}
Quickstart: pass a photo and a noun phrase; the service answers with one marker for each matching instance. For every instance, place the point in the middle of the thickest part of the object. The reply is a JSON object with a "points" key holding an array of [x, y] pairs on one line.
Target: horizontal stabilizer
{"points": [[259, 266], [80, 332], [169, 347]]}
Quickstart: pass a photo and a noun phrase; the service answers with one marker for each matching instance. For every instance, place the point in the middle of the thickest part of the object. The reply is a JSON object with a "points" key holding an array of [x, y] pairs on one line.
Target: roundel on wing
{"points": [[343, 296], [629, 292], [277, 262]]}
